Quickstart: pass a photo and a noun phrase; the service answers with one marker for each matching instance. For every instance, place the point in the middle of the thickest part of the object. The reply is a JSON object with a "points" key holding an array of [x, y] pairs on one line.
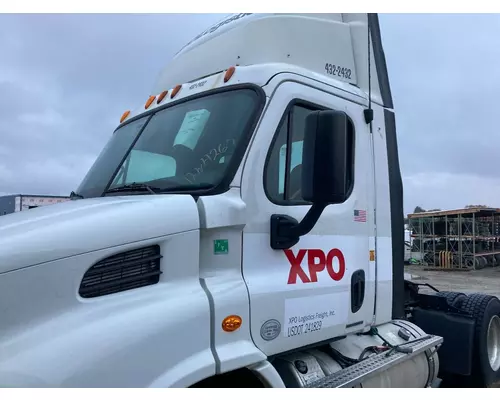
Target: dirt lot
{"points": [[483, 281]]}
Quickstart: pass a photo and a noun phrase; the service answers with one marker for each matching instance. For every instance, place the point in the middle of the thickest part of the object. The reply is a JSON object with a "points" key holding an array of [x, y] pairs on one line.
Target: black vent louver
{"points": [[129, 270]]}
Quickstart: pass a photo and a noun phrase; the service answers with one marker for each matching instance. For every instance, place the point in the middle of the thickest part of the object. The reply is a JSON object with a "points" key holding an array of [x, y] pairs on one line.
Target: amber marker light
{"points": [[161, 96], [229, 73], [231, 323], [175, 91], [124, 116], [149, 102]]}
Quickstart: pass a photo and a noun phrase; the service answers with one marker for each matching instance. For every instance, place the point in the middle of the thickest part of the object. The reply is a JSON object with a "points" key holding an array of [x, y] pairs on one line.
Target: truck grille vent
{"points": [[129, 270]]}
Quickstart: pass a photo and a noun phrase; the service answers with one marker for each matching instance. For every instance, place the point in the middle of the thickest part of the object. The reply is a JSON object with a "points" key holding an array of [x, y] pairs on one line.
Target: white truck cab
{"points": [[243, 227]]}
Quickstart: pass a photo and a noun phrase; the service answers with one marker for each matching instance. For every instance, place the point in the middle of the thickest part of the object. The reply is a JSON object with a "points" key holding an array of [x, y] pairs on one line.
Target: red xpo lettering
{"points": [[317, 261]]}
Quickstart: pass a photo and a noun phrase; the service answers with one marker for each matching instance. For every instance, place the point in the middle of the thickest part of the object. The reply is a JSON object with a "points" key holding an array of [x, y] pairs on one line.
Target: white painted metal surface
{"points": [[333, 45], [77, 227], [267, 271]]}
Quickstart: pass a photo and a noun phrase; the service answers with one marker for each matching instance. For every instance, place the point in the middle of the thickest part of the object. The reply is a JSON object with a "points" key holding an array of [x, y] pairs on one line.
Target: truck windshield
{"points": [[186, 147]]}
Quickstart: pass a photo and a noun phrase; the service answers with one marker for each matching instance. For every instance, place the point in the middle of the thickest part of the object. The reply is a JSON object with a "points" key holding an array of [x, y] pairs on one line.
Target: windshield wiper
{"points": [[134, 187], [74, 195]]}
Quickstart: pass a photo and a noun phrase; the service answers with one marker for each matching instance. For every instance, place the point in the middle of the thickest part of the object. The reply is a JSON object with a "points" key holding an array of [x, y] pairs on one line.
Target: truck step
{"points": [[353, 375]]}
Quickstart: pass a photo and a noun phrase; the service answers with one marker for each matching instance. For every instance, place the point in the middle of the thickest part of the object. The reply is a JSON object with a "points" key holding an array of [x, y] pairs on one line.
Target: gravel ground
{"points": [[485, 281]]}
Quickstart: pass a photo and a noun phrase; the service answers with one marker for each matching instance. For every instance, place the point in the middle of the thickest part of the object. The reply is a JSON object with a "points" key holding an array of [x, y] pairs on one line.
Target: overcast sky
{"points": [[65, 80]]}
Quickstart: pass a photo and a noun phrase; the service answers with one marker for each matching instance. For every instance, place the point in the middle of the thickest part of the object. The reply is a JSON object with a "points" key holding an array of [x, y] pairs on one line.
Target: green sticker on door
{"points": [[221, 246]]}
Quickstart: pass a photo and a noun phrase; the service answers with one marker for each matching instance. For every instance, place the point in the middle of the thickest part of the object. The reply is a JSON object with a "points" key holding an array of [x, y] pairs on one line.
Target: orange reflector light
{"points": [[124, 116], [175, 91], [229, 73], [231, 323], [161, 96], [150, 100]]}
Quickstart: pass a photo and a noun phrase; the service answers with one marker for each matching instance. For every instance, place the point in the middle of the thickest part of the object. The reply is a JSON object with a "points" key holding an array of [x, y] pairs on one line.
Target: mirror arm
{"points": [[309, 220], [286, 231]]}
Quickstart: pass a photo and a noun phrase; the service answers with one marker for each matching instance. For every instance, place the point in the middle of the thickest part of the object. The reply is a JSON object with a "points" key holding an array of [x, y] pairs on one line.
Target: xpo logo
{"points": [[317, 261]]}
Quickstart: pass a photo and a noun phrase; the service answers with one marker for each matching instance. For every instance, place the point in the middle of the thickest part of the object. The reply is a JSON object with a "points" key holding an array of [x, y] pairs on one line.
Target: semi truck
{"points": [[242, 227]]}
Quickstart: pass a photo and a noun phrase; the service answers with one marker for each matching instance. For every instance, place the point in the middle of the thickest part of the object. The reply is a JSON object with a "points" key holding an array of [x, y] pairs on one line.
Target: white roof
{"points": [[335, 45]]}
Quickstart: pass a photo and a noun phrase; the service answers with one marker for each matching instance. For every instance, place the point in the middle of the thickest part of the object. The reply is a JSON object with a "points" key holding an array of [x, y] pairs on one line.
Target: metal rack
{"points": [[462, 239]]}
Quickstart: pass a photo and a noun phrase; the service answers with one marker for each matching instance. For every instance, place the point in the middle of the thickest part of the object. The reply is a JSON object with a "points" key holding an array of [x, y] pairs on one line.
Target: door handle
{"points": [[357, 290]]}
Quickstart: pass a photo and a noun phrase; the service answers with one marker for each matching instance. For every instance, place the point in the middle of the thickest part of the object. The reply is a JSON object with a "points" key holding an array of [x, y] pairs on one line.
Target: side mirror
{"points": [[327, 157]]}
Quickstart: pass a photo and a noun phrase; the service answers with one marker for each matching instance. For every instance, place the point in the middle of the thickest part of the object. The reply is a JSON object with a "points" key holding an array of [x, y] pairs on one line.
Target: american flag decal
{"points": [[359, 215]]}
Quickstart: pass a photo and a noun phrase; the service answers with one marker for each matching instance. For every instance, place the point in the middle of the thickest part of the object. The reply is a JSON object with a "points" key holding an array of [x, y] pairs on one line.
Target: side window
{"points": [[283, 173]]}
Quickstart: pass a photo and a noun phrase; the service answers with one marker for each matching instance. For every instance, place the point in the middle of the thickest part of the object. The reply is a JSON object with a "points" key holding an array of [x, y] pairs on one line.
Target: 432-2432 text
{"points": [[337, 70]]}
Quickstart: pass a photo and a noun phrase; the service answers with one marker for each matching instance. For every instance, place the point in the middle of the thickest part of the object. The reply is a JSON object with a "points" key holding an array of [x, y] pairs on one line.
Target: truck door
{"points": [[323, 287]]}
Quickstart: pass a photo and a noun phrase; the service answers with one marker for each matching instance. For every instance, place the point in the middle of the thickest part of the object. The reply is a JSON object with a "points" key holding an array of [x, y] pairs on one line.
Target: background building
{"points": [[21, 202]]}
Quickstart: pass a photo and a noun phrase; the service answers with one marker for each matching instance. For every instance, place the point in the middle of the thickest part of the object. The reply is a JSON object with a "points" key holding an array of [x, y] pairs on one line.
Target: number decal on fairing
{"points": [[336, 70]]}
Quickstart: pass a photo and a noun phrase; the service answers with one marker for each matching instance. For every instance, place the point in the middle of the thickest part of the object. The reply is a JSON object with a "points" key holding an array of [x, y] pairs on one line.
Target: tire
{"points": [[454, 299], [482, 262], [485, 310]]}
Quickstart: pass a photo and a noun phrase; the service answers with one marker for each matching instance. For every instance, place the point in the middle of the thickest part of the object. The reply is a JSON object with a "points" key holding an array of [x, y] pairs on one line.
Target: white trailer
{"points": [[243, 227], [23, 202], [27, 202]]}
